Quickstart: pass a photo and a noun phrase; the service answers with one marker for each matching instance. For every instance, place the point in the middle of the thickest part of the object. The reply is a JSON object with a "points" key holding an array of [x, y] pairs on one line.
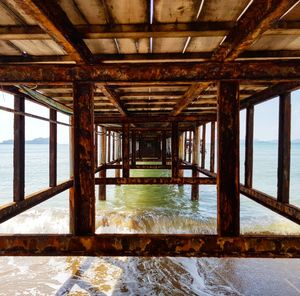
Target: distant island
{"points": [[34, 141]]}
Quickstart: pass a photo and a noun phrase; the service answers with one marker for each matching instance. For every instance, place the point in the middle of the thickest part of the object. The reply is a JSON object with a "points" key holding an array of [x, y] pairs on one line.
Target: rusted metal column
{"points": [[163, 148], [284, 148], [228, 221], [102, 173], [113, 145], [125, 148], [195, 174], [212, 147], [133, 148], [109, 147], [190, 147], [175, 151], [82, 208], [118, 151], [19, 149], [249, 147], [53, 149], [184, 146], [203, 144], [96, 146]]}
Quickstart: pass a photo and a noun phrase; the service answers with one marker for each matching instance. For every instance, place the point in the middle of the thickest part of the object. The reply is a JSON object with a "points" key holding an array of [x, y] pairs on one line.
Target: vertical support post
{"points": [[249, 147], [53, 149], [195, 187], [228, 220], [180, 156], [163, 148], [109, 147], [82, 203], [190, 147], [96, 146], [102, 173], [212, 146], [140, 145], [175, 150], [284, 148], [118, 156], [19, 149], [133, 148], [203, 144], [125, 142], [184, 146], [114, 146]]}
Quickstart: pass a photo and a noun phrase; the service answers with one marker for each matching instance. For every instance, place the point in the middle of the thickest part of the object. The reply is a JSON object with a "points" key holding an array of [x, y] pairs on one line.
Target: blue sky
{"points": [[265, 120]]}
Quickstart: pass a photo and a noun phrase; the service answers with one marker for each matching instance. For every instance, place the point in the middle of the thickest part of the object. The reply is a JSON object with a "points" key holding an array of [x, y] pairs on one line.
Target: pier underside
{"points": [[141, 87]]}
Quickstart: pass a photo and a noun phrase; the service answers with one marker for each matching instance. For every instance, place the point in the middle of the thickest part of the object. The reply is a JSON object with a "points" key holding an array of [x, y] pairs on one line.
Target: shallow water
{"points": [[150, 209]]}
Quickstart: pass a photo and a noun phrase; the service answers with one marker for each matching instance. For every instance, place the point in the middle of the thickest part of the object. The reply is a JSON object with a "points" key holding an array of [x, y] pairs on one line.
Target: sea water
{"points": [[147, 209]]}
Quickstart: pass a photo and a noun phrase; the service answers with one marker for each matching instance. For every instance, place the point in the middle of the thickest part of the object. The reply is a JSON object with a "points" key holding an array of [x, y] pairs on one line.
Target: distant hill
{"points": [[34, 141]]}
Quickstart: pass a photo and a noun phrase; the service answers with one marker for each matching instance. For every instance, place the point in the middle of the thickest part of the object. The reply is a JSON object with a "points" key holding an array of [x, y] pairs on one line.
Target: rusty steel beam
{"points": [[258, 18], [269, 93], [270, 71], [114, 98], [153, 180], [154, 245], [14, 208], [153, 119], [49, 15], [286, 210]]}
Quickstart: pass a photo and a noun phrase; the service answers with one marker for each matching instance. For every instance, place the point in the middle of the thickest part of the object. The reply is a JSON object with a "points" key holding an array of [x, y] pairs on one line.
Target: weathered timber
{"points": [[228, 219], [114, 98], [125, 150], [19, 149], [82, 203], [212, 146], [269, 93], [284, 148], [113, 157], [175, 150], [14, 208], [257, 19], [203, 144], [267, 70], [288, 211], [53, 149], [151, 245], [102, 187], [249, 147], [54, 21], [150, 180], [196, 140]]}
